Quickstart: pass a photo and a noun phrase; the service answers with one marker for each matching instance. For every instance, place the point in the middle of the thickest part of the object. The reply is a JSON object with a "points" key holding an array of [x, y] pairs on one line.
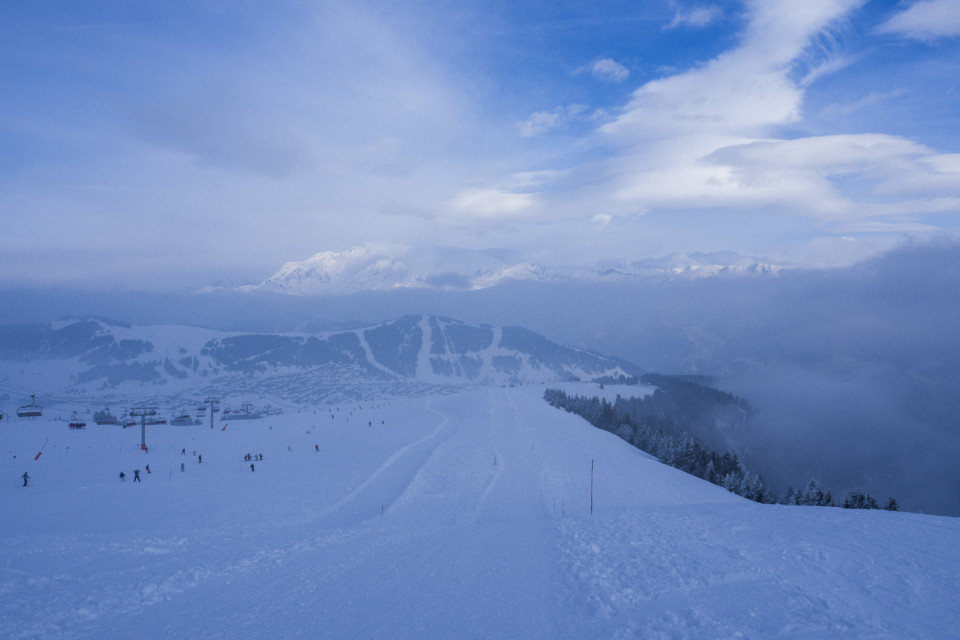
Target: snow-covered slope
{"points": [[114, 362], [459, 516]]}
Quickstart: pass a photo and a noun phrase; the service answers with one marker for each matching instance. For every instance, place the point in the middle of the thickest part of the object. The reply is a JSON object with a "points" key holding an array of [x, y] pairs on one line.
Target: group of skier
{"points": [[136, 472], [136, 475]]}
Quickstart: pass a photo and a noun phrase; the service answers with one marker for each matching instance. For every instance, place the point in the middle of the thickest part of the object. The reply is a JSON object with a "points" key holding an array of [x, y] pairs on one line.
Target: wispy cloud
{"points": [[696, 18], [541, 122], [926, 20], [873, 98], [606, 69], [707, 138]]}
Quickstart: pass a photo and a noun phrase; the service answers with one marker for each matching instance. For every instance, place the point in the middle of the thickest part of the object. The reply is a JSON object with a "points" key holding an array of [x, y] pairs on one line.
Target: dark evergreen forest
{"points": [[663, 423]]}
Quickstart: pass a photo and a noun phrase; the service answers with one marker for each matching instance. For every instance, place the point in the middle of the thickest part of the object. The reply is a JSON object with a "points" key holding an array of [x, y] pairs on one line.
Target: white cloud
{"points": [[745, 91], [893, 176], [541, 122], [829, 177], [491, 203], [926, 20], [610, 70], [707, 138], [695, 18], [602, 220], [528, 179]]}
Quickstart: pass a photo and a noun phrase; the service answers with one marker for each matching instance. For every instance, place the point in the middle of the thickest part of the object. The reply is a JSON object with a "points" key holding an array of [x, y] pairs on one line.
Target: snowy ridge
{"points": [[379, 267], [110, 363], [372, 267], [692, 266]]}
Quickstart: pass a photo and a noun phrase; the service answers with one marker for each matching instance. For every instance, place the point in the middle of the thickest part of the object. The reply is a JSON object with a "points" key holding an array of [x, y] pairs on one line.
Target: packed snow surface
{"points": [[458, 516]]}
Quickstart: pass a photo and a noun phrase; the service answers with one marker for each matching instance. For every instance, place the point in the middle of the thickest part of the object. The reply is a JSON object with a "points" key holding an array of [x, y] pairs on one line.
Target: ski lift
{"points": [[104, 417], [32, 410]]}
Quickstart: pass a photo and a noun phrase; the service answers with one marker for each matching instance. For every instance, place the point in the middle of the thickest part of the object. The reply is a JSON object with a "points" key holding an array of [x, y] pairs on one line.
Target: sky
{"points": [[159, 146]]}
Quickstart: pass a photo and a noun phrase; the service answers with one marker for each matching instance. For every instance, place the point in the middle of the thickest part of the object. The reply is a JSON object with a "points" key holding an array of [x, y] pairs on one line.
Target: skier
{"points": [[317, 448], [183, 451], [136, 475], [181, 467], [25, 477], [123, 477], [251, 466], [200, 458], [148, 468]]}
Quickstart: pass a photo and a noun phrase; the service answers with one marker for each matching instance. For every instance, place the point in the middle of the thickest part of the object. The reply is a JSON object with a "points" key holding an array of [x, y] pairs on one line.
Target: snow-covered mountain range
{"points": [[693, 265], [371, 267], [94, 357]]}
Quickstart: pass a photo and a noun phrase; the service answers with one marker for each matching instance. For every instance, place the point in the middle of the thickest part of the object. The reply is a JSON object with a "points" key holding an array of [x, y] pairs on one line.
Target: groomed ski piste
{"points": [[457, 516]]}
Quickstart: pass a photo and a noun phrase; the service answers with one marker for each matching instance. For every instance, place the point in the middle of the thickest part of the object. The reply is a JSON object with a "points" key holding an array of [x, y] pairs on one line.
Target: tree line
{"points": [[660, 424]]}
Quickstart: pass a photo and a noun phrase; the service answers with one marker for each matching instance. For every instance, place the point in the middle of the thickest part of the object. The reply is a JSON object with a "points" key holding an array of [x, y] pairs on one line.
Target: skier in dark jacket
{"points": [[136, 475], [251, 466], [25, 476], [123, 477]]}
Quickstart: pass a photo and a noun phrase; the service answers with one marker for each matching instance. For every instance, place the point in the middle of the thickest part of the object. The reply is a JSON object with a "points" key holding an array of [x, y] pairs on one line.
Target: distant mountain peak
{"points": [[691, 266], [385, 267], [381, 267]]}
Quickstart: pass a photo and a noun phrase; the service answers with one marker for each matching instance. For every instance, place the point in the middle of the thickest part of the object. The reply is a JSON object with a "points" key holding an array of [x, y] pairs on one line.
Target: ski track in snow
{"points": [[381, 486], [466, 515], [371, 359]]}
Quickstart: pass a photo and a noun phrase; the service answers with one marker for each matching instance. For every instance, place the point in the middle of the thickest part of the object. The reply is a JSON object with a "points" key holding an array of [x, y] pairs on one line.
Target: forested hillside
{"points": [[672, 424]]}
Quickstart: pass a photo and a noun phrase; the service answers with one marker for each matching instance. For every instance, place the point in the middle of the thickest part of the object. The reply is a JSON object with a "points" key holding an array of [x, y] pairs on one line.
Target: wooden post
{"points": [[591, 487]]}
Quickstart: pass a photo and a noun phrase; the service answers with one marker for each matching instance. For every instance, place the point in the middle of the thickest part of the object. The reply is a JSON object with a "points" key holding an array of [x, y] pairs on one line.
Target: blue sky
{"points": [[156, 145]]}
